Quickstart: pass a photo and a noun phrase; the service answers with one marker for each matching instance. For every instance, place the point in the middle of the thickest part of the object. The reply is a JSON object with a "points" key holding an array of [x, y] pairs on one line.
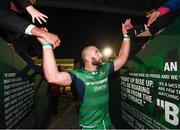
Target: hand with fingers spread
{"points": [[126, 26], [36, 15], [52, 38], [152, 16], [44, 36], [167, 7]]}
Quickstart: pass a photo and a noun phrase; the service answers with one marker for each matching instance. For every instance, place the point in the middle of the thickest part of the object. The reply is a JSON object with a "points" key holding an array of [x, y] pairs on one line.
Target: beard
{"points": [[96, 62]]}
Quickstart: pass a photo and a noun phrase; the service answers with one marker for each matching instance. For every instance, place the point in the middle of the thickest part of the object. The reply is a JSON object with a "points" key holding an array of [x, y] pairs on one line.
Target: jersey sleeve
{"points": [[77, 86], [109, 67], [73, 77]]}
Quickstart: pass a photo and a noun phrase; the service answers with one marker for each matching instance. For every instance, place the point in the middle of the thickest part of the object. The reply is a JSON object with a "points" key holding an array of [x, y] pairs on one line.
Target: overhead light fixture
{"points": [[107, 52]]}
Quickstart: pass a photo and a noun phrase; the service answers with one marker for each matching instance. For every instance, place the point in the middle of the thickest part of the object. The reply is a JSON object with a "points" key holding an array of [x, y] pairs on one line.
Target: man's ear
{"points": [[87, 58]]}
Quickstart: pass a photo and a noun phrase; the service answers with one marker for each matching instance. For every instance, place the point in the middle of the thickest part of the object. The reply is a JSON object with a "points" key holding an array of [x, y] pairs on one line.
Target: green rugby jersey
{"points": [[92, 87]]}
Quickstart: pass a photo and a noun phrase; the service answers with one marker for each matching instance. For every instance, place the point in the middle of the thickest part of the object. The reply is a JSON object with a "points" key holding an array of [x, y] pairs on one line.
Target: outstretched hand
{"points": [[48, 37], [152, 16], [41, 40], [35, 14], [126, 26]]}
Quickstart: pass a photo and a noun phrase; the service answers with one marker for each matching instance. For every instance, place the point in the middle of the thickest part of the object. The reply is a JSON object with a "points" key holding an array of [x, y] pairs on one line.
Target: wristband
{"points": [[47, 45], [126, 38]]}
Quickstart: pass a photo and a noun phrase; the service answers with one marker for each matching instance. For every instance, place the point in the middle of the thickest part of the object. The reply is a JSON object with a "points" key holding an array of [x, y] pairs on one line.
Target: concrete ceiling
{"points": [[130, 7]]}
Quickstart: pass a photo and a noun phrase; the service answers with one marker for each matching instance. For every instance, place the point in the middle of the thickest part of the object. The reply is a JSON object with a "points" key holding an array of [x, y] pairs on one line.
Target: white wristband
{"points": [[46, 46], [126, 38]]}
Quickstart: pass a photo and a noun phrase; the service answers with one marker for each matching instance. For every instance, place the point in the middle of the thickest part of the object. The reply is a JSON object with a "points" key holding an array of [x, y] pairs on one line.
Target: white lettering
{"points": [[172, 66], [171, 112]]}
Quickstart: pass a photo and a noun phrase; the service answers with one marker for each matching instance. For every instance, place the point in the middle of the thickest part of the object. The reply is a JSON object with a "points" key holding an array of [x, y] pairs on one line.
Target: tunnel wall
{"points": [[148, 87], [24, 98]]}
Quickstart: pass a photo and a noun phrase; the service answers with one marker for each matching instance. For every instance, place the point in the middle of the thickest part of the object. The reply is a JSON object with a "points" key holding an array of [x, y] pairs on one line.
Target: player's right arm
{"points": [[51, 72]]}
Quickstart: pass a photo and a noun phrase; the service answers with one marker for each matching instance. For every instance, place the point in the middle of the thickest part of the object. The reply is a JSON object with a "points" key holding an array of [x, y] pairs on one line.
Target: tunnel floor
{"points": [[67, 116]]}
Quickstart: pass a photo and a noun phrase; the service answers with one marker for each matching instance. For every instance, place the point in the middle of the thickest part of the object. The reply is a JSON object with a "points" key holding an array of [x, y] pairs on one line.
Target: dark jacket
{"points": [[172, 4], [8, 18]]}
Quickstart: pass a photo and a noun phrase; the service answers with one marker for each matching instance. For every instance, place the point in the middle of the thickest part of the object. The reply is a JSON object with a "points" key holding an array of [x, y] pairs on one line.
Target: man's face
{"points": [[96, 57]]}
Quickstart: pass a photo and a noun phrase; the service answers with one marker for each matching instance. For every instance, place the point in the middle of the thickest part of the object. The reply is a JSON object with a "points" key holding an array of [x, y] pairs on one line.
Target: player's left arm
{"points": [[125, 47]]}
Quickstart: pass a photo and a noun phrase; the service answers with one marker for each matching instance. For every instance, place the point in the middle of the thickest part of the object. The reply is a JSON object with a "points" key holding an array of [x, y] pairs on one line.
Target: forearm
{"points": [[125, 49], [49, 65], [38, 32], [123, 54]]}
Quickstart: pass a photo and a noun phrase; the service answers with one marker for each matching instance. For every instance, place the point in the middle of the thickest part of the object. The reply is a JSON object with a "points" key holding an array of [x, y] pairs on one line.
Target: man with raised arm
{"points": [[91, 82]]}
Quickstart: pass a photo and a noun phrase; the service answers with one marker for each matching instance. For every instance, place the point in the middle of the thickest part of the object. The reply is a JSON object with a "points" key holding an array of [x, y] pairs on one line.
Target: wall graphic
{"points": [[23, 93], [150, 83]]}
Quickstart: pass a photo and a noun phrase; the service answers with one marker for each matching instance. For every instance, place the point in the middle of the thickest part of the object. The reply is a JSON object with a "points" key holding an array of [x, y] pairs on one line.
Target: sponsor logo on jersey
{"points": [[89, 76], [94, 73], [101, 73], [101, 87], [97, 82]]}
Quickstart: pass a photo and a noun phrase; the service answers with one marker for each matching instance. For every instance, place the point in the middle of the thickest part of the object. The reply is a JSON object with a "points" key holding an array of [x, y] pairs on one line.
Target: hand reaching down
{"points": [[36, 15], [126, 26]]}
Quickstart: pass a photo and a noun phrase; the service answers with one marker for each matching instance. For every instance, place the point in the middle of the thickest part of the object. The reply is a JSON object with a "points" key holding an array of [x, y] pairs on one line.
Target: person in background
{"points": [[170, 5], [157, 20], [10, 21], [54, 95], [36, 15]]}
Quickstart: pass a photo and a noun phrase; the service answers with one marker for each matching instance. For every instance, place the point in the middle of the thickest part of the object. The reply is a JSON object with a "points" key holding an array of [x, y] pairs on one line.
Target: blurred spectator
{"points": [[158, 19], [170, 5], [12, 22], [54, 93]]}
